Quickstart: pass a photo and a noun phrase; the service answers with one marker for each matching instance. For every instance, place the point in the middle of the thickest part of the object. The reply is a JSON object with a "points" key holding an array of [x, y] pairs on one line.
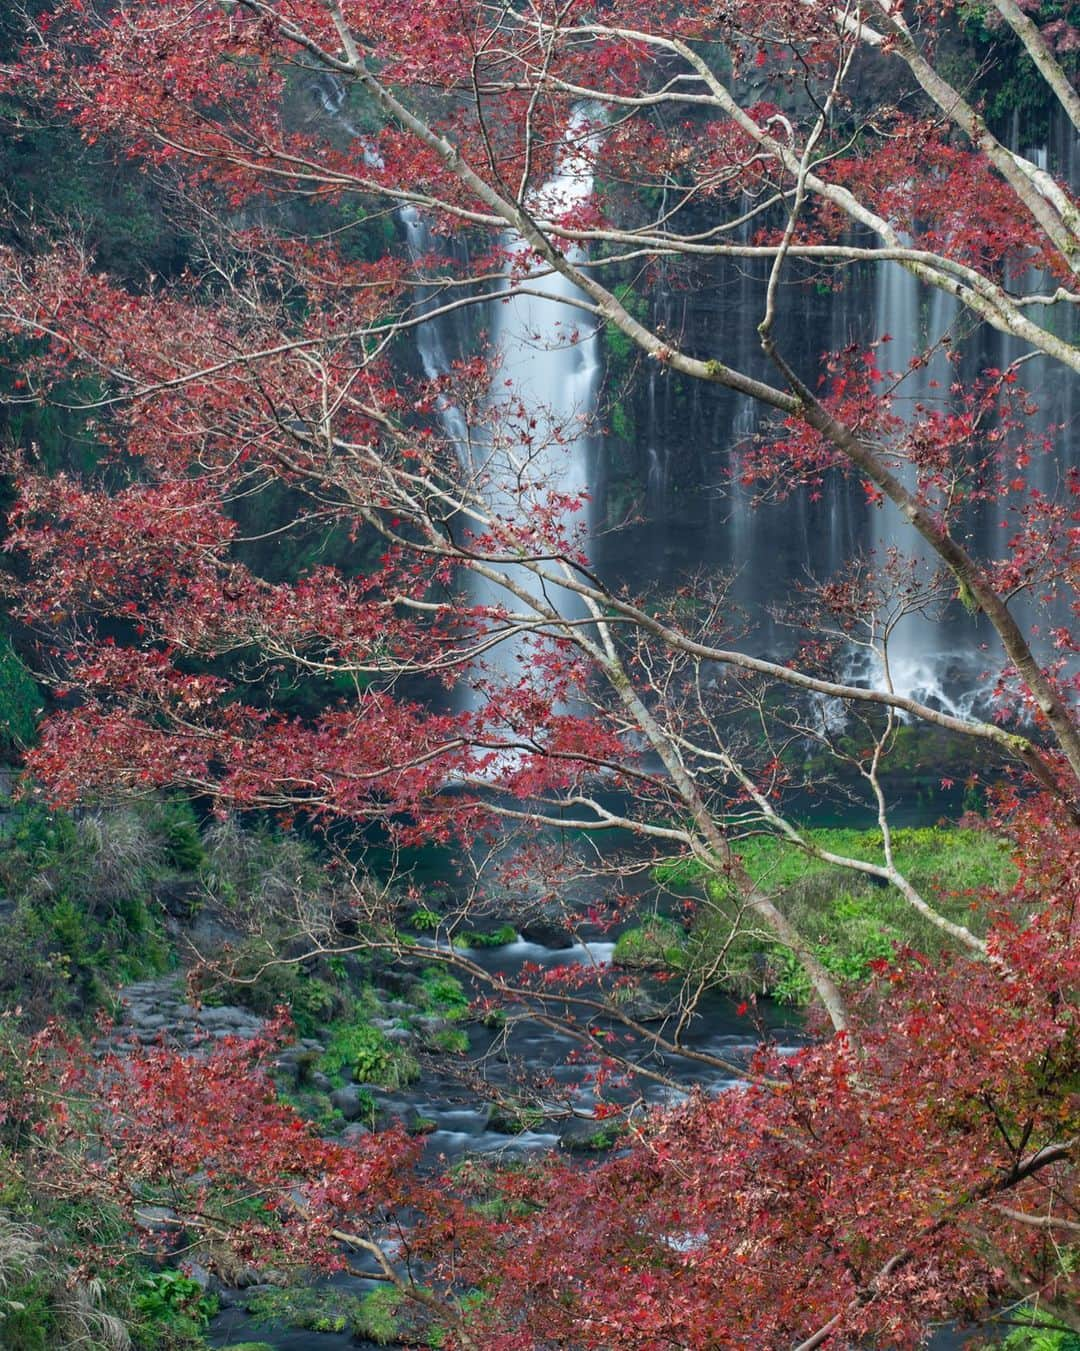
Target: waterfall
{"points": [[549, 360]]}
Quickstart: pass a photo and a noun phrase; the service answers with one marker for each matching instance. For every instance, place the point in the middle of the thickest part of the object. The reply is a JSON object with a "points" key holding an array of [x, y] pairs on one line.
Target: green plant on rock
{"points": [[497, 938], [441, 993], [173, 1310], [658, 944], [364, 1053], [450, 1040], [379, 1316]]}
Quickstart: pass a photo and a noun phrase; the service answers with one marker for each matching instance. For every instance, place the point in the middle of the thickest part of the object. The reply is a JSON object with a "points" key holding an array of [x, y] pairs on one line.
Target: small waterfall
{"points": [[430, 344], [916, 318]]}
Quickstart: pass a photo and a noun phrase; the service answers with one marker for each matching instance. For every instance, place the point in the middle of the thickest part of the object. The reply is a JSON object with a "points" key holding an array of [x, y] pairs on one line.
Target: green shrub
{"points": [[27, 1317], [362, 1052], [172, 1310], [184, 849], [441, 993]]}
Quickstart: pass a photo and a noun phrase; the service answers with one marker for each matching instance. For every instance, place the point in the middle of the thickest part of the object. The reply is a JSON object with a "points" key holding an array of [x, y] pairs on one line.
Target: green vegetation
{"points": [[451, 1040], [658, 944], [851, 920], [175, 1308], [84, 915], [358, 1050], [20, 700], [441, 994], [1038, 1338], [383, 1316], [253, 976], [497, 938]]}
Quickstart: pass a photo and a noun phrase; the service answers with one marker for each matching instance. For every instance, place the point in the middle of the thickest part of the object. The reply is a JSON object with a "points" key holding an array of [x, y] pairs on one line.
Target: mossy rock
{"points": [[514, 1119], [497, 938], [657, 945], [583, 1136]]}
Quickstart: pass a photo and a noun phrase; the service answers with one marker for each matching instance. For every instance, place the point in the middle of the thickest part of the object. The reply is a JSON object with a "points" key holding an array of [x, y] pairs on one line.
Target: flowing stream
{"points": [[463, 1125]]}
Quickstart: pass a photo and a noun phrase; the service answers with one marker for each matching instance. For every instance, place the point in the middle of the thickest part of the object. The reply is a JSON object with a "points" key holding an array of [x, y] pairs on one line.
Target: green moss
{"points": [[451, 1040], [383, 1316], [850, 921], [379, 1317], [498, 938], [441, 993], [658, 944]]}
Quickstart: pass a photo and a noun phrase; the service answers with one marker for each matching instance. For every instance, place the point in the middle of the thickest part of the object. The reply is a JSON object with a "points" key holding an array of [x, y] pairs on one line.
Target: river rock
{"points": [[641, 1006], [348, 1100], [548, 930], [585, 1135], [156, 1219]]}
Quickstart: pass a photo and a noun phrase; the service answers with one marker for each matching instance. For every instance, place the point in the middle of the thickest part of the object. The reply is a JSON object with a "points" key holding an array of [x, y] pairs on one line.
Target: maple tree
{"points": [[272, 364]]}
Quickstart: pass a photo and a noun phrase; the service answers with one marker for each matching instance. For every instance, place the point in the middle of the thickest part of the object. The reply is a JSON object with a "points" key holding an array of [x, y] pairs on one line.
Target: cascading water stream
{"points": [[549, 361], [923, 663]]}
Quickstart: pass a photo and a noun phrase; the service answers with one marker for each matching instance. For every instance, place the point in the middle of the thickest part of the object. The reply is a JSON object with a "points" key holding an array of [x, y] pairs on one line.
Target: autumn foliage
{"points": [[916, 1163]]}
